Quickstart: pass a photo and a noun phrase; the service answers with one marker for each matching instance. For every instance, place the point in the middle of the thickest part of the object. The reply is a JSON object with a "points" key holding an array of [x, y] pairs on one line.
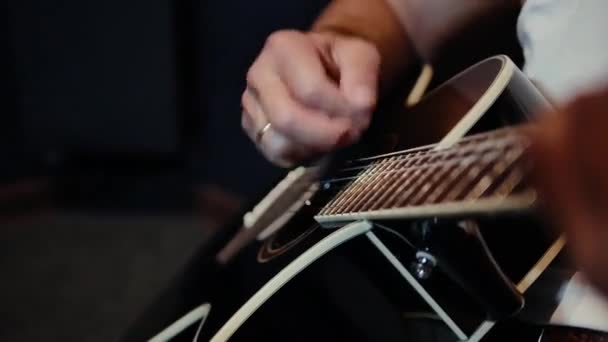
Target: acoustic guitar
{"points": [[424, 234]]}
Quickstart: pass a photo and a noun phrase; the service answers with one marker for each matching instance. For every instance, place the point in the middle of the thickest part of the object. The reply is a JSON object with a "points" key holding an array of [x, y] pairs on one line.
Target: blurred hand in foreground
{"points": [[570, 152]]}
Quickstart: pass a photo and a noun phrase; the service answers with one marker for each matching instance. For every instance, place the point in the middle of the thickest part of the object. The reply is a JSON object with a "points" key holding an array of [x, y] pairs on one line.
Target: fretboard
{"points": [[480, 170]]}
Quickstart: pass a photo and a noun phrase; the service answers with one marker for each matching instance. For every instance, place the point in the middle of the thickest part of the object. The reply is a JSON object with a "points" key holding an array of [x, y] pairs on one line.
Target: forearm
{"points": [[431, 24], [376, 22]]}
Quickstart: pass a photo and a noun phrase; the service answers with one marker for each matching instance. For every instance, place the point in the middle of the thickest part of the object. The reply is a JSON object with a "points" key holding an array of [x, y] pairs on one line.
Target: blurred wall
{"points": [[232, 33], [11, 130], [141, 80], [96, 75]]}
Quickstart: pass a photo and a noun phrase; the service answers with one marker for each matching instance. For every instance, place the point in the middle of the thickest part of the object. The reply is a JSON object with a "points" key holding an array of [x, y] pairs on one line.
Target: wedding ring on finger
{"points": [[260, 134]]}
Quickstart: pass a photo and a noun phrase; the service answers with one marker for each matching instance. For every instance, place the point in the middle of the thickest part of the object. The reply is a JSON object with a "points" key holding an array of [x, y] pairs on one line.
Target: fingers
{"points": [[555, 174], [274, 144], [306, 126], [359, 66], [315, 100], [300, 66], [253, 118], [563, 186]]}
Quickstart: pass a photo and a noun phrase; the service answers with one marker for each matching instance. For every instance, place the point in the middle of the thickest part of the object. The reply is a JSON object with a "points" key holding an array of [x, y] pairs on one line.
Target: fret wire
{"points": [[367, 190], [355, 192], [512, 130], [420, 169], [329, 207], [442, 190], [458, 174], [406, 161], [433, 152], [352, 189], [416, 186], [372, 172], [368, 201], [395, 160], [404, 181], [458, 170], [397, 182], [478, 166], [372, 191], [423, 166], [403, 175], [379, 188], [436, 179], [492, 145], [510, 182], [475, 179], [499, 168], [490, 191]]}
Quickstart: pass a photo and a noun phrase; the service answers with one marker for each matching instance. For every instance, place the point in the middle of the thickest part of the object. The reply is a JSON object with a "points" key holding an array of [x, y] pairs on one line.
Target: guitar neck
{"points": [[481, 173]]}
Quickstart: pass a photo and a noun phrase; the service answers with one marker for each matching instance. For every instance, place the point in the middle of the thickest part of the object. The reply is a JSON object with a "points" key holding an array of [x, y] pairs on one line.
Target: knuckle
{"points": [[245, 100], [279, 39], [309, 91], [283, 120], [367, 50], [252, 75]]}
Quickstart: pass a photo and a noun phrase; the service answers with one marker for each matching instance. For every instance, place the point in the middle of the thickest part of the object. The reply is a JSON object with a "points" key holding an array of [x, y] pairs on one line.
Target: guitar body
{"points": [[385, 248]]}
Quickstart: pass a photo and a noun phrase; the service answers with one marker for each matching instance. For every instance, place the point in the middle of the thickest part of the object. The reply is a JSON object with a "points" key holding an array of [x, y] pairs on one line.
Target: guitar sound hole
{"points": [[295, 231]]}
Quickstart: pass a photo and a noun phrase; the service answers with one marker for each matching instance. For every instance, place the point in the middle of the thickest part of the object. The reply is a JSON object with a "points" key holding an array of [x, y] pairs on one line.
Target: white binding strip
{"points": [[481, 206], [481, 331], [421, 85], [296, 180], [542, 264], [321, 248], [416, 285], [200, 313], [483, 104], [280, 221], [525, 283]]}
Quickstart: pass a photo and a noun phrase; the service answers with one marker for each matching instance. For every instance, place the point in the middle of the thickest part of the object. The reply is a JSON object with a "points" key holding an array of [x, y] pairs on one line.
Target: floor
{"points": [[77, 277]]}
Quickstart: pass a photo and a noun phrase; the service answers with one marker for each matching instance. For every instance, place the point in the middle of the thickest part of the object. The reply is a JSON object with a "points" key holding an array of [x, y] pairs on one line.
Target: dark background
{"points": [[121, 84], [114, 117]]}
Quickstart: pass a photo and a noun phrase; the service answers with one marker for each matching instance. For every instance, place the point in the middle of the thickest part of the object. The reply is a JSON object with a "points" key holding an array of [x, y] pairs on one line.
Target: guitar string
{"points": [[459, 148], [431, 147], [484, 161], [460, 156], [514, 131], [337, 195], [415, 154]]}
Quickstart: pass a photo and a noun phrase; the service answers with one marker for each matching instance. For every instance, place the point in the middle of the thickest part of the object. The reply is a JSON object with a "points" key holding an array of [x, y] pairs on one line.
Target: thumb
{"points": [[358, 63]]}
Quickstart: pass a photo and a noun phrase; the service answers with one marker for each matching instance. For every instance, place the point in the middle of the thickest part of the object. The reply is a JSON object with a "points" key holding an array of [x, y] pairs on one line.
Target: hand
{"points": [[570, 152], [317, 90]]}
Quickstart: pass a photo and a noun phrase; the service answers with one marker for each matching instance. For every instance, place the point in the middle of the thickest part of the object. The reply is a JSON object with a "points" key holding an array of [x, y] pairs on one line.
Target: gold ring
{"points": [[262, 131]]}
